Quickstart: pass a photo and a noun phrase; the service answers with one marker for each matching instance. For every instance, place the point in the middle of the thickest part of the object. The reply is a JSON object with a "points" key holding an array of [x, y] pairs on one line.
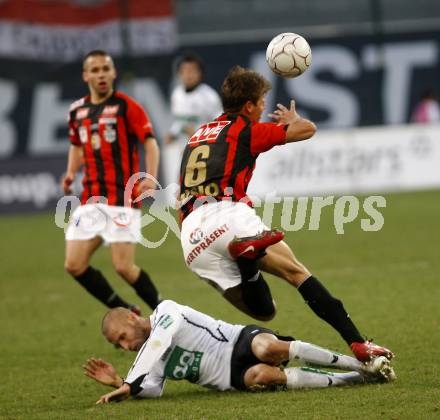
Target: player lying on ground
{"points": [[178, 342], [224, 241]]}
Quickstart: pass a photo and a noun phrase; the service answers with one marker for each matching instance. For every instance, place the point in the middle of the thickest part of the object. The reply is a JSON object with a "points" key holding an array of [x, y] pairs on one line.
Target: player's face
{"points": [[129, 336], [99, 73], [256, 110], [190, 74]]}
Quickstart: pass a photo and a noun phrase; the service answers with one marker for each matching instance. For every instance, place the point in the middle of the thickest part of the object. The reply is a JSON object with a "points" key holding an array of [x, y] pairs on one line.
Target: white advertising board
{"points": [[366, 160], [362, 160]]}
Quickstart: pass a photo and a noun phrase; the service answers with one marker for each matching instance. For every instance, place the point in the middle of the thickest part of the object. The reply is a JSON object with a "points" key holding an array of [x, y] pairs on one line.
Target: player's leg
{"points": [[123, 259], [257, 344], [122, 232], [281, 261], [262, 376], [263, 308], [244, 358], [250, 239], [378, 368], [252, 295], [304, 377], [205, 236], [312, 354], [269, 349], [78, 254]]}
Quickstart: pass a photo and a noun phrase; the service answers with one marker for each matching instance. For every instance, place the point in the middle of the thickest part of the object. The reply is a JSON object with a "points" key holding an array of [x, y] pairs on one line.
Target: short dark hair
{"points": [[96, 53], [190, 57], [242, 85]]}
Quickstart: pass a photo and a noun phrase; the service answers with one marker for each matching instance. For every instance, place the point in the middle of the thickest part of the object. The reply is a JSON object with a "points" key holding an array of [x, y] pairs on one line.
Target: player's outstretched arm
{"points": [[298, 128], [102, 372], [122, 393]]}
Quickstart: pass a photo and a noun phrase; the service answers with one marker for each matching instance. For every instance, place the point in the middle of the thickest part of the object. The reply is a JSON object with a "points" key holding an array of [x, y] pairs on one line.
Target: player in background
{"points": [[106, 127], [178, 342], [192, 102], [427, 109], [224, 241]]}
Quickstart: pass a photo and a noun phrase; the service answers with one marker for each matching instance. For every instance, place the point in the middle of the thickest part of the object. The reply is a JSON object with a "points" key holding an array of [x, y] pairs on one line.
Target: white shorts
{"points": [[112, 223], [206, 233]]}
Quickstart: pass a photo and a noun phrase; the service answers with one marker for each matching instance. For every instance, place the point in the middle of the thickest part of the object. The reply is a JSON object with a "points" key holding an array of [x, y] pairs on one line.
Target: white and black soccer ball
{"points": [[288, 55]]}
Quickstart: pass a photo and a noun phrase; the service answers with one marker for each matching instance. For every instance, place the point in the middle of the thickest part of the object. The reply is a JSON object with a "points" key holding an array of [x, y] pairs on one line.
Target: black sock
{"points": [[257, 297], [255, 291], [97, 285], [329, 309], [248, 268], [146, 290]]}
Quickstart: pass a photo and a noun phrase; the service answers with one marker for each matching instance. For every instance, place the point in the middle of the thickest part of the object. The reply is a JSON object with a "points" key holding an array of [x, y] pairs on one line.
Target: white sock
{"points": [[316, 355], [314, 378]]}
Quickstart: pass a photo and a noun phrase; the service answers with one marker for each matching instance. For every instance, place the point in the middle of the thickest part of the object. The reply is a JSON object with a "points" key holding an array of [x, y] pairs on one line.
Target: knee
{"points": [[258, 375], [122, 269], [126, 271], [269, 351], [75, 268]]}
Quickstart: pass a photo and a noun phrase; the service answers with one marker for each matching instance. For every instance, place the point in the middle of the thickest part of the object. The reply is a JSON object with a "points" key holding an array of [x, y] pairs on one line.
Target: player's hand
{"points": [[120, 394], [283, 115], [147, 187], [102, 372], [66, 183]]}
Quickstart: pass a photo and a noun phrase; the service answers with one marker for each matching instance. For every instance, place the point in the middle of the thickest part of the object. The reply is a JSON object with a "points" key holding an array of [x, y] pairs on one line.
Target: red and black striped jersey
{"points": [[219, 159], [109, 134]]}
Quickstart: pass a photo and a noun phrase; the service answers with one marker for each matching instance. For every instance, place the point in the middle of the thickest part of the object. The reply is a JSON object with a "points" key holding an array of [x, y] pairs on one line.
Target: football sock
{"points": [[146, 290], [329, 309], [255, 291], [248, 269], [257, 297], [316, 355], [314, 378], [97, 285]]}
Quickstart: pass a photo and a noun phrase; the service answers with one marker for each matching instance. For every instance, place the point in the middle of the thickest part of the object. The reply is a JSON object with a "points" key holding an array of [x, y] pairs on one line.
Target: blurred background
{"points": [[373, 61]]}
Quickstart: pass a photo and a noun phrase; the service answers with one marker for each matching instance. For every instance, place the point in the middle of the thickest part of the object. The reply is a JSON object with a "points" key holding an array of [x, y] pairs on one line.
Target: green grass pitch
{"points": [[388, 280]]}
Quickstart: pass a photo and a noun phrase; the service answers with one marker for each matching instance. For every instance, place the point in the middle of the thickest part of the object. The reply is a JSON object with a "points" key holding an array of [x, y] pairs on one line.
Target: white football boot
{"points": [[379, 369]]}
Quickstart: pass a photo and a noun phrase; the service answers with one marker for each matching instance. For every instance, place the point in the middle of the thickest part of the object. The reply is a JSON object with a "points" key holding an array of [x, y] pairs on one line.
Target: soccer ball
{"points": [[288, 55]]}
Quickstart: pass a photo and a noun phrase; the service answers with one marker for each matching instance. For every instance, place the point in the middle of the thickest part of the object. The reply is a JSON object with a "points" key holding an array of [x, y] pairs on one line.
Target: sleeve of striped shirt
{"points": [[264, 136], [138, 121], [144, 382]]}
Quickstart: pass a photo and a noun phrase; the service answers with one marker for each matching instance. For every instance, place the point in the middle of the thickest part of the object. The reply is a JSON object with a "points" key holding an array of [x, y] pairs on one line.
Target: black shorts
{"points": [[243, 358]]}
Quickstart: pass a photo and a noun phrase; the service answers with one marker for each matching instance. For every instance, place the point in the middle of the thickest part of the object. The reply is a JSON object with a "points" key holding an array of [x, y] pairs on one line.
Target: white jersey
{"points": [[196, 107], [183, 344]]}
